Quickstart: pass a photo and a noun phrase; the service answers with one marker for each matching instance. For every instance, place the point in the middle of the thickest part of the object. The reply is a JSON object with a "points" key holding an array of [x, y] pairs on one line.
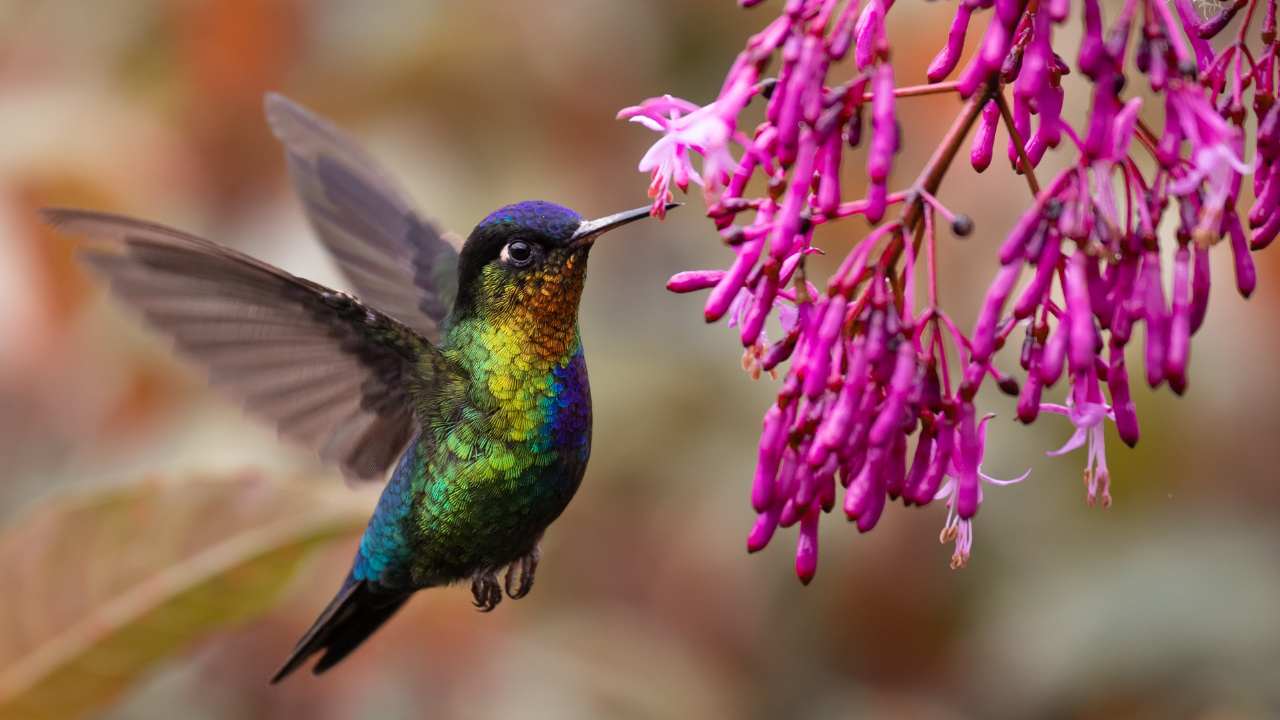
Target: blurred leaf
{"points": [[104, 587]]}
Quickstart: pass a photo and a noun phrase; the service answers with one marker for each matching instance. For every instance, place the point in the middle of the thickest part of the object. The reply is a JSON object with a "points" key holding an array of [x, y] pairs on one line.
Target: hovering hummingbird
{"points": [[462, 364]]}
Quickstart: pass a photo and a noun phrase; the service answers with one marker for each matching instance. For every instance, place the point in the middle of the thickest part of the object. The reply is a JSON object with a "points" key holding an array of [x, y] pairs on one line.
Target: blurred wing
{"points": [[329, 372], [396, 261]]}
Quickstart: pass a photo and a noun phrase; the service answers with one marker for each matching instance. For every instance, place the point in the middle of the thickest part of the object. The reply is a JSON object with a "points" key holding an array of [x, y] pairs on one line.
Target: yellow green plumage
{"points": [[505, 438]]}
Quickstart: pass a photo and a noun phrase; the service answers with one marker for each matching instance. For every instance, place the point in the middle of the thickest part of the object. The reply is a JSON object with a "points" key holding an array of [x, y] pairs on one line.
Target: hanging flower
{"points": [[685, 128], [878, 383], [963, 489]]}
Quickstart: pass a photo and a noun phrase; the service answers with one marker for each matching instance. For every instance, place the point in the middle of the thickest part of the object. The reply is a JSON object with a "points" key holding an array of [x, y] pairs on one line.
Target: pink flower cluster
{"points": [[877, 403]]}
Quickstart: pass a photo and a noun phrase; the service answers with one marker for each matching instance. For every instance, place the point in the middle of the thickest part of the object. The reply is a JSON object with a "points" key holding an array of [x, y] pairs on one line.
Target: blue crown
{"points": [[540, 216]]}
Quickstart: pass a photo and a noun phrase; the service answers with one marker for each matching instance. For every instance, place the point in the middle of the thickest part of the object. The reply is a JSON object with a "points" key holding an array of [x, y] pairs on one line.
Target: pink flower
{"points": [[1218, 167], [877, 395], [685, 126], [965, 476], [1087, 418], [1216, 162]]}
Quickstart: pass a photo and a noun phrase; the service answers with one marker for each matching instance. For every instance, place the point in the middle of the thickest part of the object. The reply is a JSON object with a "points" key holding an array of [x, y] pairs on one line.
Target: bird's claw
{"points": [[486, 591], [519, 586], [518, 581]]}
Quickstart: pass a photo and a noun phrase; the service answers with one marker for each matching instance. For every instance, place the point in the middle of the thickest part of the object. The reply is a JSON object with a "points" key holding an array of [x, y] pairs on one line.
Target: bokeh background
{"points": [[1166, 605]]}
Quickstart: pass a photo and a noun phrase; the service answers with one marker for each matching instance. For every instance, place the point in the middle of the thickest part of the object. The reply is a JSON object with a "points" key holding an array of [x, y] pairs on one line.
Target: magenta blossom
{"points": [[1087, 418], [1086, 409], [685, 127], [878, 384], [966, 477]]}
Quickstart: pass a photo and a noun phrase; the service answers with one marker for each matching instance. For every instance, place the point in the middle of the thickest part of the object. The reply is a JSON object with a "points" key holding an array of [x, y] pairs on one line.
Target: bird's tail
{"points": [[351, 617]]}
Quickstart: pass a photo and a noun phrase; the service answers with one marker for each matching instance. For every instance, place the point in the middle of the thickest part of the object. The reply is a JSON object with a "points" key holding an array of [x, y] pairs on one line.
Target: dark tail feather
{"points": [[351, 617]]}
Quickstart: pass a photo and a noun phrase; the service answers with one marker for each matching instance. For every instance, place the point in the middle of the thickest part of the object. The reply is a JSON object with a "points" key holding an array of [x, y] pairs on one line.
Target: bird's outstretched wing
{"points": [[396, 261], [329, 372]]}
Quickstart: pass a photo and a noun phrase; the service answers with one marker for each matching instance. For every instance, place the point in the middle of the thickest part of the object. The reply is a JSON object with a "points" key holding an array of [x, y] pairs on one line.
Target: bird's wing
{"points": [[396, 260], [329, 372]]}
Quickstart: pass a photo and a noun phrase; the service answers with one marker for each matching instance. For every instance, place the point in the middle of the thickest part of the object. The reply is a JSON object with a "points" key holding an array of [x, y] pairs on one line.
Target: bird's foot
{"points": [[486, 591], [519, 585]]}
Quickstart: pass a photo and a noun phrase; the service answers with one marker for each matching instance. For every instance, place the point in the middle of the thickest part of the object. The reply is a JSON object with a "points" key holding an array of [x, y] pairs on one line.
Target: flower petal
{"points": [[946, 489], [648, 122], [998, 481], [1076, 440]]}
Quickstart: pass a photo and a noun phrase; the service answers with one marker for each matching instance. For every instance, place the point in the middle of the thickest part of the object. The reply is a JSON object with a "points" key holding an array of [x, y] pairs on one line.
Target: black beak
{"points": [[589, 230]]}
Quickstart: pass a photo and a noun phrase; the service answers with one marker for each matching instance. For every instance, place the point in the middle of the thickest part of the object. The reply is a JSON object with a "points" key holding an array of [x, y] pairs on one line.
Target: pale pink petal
{"points": [[1076, 440]]}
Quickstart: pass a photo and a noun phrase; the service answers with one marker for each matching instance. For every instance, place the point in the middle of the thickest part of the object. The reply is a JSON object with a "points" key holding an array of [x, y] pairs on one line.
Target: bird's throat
{"points": [[526, 369]]}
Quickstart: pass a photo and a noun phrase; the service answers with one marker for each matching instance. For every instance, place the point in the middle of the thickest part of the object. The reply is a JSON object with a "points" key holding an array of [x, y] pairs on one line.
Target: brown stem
{"points": [[1248, 19], [930, 177], [937, 88], [1016, 138], [935, 169], [1143, 129], [1146, 138]]}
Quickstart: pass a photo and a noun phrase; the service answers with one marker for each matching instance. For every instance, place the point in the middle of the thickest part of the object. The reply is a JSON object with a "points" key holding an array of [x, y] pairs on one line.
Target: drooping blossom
{"points": [[1086, 409], [876, 403], [963, 489], [685, 128], [669, 159]]}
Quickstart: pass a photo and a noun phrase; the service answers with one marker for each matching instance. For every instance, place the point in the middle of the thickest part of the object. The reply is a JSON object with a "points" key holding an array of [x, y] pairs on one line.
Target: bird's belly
{"points": [[491, 492], [518, 510], [485, 519], [440, 521], [530, 475], [477, 490]]}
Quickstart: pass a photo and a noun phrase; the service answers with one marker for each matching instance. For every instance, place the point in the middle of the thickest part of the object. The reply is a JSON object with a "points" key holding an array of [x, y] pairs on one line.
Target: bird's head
{"points": [[531, 258]]}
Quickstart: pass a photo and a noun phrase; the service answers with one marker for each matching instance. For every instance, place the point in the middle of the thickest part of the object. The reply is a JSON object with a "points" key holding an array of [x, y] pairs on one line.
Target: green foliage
{"points": [[105, 587]]}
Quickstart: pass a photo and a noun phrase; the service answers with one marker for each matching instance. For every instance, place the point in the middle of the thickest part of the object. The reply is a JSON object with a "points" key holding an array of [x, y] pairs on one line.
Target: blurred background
{"points": [[163, 552]]}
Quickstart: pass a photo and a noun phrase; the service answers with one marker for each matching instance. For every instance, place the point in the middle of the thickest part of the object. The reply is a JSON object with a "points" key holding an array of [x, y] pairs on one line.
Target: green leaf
{"points": [[101, 588]]}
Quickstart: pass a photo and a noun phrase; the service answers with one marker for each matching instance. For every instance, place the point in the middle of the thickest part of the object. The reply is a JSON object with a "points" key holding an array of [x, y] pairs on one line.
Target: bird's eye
{"points": [[517, 253]]}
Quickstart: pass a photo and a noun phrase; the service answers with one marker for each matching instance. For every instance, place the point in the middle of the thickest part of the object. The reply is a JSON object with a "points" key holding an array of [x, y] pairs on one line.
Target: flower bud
{"points": [[868, 33], [1029, 399], [773, 437], [761, 305], [1034, 294], [884, 139], [807, 547], [984, 330], [889, 421], [1263, 235], [919, 466], [947, 58], [1121, 400], [1082, 340], [726, 290], [984, 137], [762, 531], [1055, 352], [1156, 316], [1246, 274], [1179, 348], [694, 280]]}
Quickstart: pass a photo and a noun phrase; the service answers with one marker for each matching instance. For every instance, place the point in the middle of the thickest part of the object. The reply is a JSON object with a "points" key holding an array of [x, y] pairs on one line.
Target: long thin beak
{"points": [[589, 230]]}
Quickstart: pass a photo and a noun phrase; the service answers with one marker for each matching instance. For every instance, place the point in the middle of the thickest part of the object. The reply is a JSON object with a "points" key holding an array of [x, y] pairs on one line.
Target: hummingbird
{"points": [[460, 363]]}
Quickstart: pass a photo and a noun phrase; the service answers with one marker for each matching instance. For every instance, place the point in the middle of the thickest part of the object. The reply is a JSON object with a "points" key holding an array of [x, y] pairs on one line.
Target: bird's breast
{"points": [[533, 388], [564, 409]]}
